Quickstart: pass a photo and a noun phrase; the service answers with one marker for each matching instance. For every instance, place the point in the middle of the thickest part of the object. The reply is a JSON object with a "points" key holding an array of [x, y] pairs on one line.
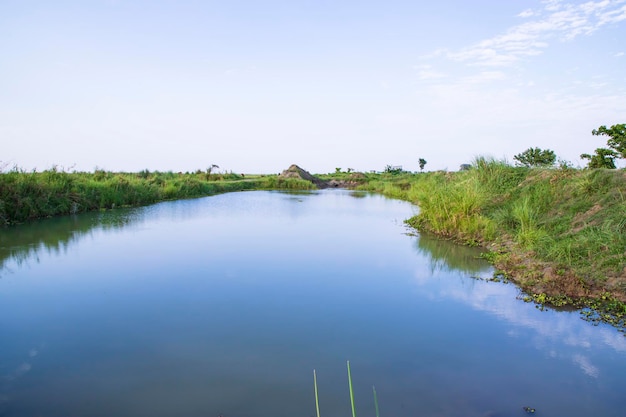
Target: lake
{"points": [[224, 306]]}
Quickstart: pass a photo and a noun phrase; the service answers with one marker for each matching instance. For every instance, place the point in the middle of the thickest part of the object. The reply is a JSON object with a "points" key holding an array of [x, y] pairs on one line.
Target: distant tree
{"points": [[603, 158], [393, 169], [617, 137], [565, 164], [535, 157], [337, 170], [209, 170], [422, 163], [349, 170]]}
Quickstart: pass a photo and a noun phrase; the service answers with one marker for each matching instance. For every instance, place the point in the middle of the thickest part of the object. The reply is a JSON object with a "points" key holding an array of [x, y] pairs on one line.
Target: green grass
{"points": [[572, 222], [375, 401], [30, 195], [351, 390], [317, 401]]}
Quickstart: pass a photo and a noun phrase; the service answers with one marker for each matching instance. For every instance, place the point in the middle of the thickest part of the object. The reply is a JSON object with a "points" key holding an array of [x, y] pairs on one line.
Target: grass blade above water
{"points": [[317, 403], [375, 401], [351, 392]]}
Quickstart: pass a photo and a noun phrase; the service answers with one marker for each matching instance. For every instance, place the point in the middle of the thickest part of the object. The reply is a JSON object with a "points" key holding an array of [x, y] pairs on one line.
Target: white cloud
{"points": [[614, 16], [552, 5], [526, 13], [555, 20], [426, 72], [484, 76], [617, 55]]}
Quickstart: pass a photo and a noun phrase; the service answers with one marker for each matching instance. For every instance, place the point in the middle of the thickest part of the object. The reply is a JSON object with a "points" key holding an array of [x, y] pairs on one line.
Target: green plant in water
{"points": [[351, 392], [317, 403], [375, 401]]}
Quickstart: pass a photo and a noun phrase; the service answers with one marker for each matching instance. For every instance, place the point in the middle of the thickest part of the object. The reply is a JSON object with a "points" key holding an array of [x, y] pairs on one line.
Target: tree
{"points": [[422, 163], [535, 157], [603, 158], [393, 169], [617, 137], [209, 170]]}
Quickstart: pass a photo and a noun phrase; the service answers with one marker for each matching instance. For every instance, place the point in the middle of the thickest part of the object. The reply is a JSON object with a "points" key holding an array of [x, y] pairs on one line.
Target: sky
{"points": [[253, 87]]}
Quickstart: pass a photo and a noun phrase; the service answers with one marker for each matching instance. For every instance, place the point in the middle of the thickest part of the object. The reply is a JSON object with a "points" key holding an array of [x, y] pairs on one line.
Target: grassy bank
{"points": [[556, 232], [30, 195]]}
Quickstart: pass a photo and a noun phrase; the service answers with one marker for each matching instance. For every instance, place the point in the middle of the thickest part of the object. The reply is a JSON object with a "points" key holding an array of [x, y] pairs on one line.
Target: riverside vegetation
{"points": [[30, 195], [560, 234]]}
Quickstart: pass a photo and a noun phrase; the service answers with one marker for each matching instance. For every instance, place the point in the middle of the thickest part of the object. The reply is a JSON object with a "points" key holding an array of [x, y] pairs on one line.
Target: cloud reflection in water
{"points": [[551, 331]]}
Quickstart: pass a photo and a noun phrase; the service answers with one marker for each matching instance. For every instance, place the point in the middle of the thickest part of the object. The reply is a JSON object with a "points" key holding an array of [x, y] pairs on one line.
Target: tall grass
{"points": [[572, 220], [525, 214], [351, 390], [317, 401], [27, 195], [375, 401]]}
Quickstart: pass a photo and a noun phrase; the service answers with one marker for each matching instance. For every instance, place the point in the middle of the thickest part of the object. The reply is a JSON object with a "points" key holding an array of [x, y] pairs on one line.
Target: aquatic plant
{"points": [[317, 402], [317, 408], [351, 391], [375, 401]]}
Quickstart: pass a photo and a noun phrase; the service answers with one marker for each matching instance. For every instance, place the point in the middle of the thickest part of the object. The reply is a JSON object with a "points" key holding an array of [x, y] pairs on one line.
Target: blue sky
{"points": [[256, 86]]}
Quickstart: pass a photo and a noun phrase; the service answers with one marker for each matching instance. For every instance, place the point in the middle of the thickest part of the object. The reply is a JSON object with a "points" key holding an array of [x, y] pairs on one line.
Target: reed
{"points": [[28, 195], [351, 391], [317, 408], [375, 401], [317, 402], [569, 221]]}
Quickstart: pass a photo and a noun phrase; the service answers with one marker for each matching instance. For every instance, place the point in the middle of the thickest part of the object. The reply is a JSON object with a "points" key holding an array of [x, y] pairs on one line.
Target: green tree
{"points": [[535, 157], [617, 137], [209, 170], [603, 158], [391, 169], [422, 163]]}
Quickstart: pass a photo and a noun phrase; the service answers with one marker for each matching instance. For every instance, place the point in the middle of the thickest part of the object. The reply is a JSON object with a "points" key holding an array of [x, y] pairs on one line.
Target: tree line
{"points": [[601, 158]]}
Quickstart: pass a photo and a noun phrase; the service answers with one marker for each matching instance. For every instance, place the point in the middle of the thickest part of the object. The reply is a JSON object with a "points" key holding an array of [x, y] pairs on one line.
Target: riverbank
{"points": [[26, 196], [558, 233]]}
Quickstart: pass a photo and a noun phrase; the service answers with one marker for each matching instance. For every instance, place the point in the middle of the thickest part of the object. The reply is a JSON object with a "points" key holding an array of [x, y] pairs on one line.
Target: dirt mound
{"points": [[352, 181], [294, 171]]}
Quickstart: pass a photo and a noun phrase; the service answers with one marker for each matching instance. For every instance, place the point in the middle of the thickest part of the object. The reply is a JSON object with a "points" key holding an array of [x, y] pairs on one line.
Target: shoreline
{"points": [[521, 221]]}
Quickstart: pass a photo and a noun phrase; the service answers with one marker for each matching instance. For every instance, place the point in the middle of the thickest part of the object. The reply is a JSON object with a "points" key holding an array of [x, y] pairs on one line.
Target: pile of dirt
{"points": [[353, 180], [294, 171]]}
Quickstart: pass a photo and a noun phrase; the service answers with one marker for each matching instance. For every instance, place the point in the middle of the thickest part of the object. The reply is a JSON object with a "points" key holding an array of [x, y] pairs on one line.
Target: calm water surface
{"points": [[225, 305]]}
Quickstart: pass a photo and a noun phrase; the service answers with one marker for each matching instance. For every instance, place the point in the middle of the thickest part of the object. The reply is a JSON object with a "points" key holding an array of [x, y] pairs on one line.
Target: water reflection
{"points": [[226, 304], [24, 243], [559, 334], [447, 256]]}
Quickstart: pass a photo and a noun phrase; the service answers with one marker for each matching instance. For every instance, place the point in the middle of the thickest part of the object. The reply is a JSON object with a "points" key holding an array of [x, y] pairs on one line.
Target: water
{"points": [[225, 305]]}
